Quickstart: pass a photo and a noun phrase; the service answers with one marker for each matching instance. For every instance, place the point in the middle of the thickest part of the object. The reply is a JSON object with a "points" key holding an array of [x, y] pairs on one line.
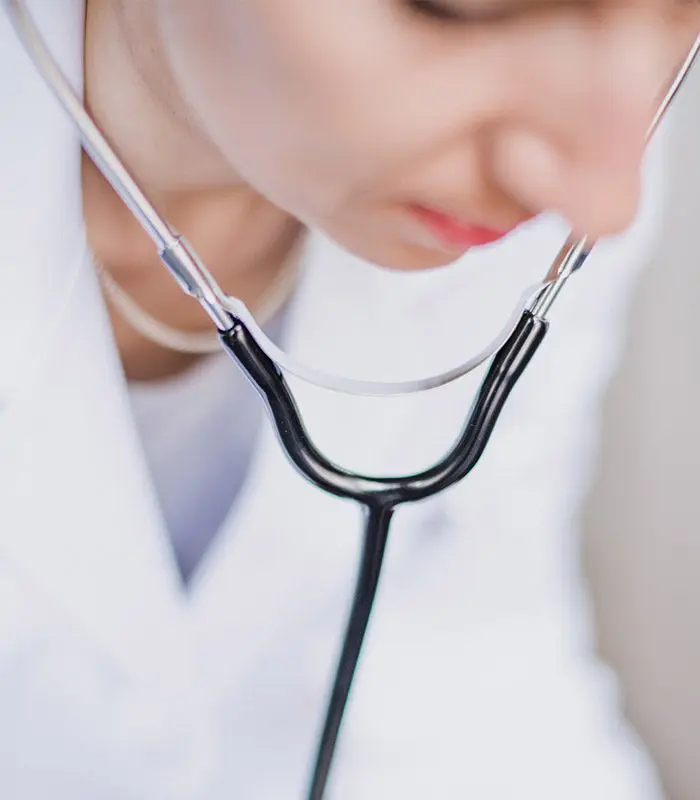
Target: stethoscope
{"points": [[265, 364]]}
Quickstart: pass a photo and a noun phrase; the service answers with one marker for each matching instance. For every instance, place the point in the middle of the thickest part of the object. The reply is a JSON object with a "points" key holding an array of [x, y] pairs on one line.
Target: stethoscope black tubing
{"points": [[376, 534], [379, 496], [506, 367]]}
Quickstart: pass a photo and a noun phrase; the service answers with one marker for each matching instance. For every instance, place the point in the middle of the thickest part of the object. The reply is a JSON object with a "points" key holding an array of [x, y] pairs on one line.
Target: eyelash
{"points": [[430, 9], [485, 14]]}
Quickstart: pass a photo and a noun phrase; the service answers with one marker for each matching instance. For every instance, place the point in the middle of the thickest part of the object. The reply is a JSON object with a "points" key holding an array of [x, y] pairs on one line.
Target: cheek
{"points": [[315, 116], [333, 112]]}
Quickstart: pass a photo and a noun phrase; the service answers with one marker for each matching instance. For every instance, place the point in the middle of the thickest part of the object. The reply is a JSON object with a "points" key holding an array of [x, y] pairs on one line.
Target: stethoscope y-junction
{"points": [[265, 365]]}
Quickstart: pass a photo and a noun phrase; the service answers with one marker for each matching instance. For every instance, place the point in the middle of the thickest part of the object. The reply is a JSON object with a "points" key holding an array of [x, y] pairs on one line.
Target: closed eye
{"points": [[433, 9], [493, 11]]}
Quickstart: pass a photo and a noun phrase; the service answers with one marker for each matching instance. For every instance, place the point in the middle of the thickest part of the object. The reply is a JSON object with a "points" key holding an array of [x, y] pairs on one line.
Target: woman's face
{"points": [[358, 115]]}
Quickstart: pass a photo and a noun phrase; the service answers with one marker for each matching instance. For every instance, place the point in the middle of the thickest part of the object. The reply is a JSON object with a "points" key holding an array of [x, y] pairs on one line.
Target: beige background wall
{"points": [[642, 539]]}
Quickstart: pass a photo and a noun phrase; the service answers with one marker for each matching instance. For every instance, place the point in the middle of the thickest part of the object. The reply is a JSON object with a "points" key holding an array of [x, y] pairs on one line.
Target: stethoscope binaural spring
{"points": [[265, 365]]}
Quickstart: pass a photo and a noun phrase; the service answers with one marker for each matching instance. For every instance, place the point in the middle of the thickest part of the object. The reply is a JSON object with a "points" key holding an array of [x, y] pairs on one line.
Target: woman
{"points": [[171, 592]]}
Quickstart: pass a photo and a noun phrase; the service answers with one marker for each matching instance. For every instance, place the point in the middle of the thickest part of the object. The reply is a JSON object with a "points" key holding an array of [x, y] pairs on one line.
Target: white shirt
{"points": [[198, 431]]}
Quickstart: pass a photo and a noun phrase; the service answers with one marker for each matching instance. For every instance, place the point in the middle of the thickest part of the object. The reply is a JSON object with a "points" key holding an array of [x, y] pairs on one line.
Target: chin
{"points": [[394, 254]]}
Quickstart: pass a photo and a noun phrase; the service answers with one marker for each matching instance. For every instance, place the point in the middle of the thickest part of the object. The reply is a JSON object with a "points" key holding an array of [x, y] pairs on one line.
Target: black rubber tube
{"points": [[507, 366], [374, 546], [379, 496]]}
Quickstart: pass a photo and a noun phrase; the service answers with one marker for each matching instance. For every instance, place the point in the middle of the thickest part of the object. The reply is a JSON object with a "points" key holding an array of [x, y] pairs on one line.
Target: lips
{"points": [[453, 232]]}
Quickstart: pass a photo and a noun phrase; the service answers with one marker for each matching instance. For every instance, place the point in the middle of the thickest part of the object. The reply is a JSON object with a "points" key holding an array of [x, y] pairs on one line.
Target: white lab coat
{"points": [[478, 679]]}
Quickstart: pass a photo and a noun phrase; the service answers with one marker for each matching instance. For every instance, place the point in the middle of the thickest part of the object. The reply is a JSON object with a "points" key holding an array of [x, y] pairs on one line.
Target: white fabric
{"points": [[198, 432], [478, 679]]}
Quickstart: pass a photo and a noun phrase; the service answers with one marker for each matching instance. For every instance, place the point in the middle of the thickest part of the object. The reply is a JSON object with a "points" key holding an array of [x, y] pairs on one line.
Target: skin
{"points": [[248, 121]]}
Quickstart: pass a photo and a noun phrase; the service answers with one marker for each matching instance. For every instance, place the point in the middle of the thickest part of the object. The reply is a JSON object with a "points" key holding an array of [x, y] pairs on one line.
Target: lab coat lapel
{"points": [[77, 514]]}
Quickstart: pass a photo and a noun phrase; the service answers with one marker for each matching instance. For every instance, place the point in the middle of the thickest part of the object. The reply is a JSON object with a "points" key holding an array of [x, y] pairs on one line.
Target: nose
{"points": [[575, 138]]}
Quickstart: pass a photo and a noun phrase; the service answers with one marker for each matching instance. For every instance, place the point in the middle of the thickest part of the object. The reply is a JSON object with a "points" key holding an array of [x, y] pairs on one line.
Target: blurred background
{"points": [[641, 545]]}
